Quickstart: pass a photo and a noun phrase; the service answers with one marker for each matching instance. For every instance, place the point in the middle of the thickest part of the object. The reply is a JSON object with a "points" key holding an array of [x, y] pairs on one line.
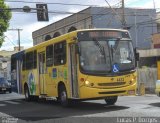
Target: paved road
{"points": [[132, 109]]}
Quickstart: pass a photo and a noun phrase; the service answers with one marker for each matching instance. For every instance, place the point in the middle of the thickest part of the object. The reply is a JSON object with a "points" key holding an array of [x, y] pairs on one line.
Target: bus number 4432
{"points": [[120, 79]]}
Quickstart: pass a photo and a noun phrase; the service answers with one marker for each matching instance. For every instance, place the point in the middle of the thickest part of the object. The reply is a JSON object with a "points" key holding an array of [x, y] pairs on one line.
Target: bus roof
{"points": [[68, 35]]}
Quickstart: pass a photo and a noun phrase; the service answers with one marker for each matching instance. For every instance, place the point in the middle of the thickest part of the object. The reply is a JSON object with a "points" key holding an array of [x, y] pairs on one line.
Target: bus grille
{"points": [[112, 92], [112, 84]]}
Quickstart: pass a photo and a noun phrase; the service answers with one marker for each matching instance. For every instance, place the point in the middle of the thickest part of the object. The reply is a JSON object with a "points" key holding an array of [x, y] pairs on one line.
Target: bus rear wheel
{"points": [[63, 98], [111, 100]]}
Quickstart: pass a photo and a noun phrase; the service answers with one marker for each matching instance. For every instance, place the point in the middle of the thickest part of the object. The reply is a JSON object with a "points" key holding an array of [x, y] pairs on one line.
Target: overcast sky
{"points": [[28, 21]]}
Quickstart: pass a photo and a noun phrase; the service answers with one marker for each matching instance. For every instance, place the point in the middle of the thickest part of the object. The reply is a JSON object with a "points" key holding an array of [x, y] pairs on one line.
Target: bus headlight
{"points": [[131, 81], [87, 83]]}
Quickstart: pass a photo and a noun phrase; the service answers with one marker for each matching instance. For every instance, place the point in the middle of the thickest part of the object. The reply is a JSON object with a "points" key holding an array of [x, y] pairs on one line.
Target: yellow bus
{"points": [[80, 65], [157, 90]]}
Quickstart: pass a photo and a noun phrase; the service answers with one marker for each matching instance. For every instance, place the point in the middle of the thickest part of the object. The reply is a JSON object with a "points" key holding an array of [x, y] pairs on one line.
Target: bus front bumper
{"points": [[88, 92], [157, 91]]}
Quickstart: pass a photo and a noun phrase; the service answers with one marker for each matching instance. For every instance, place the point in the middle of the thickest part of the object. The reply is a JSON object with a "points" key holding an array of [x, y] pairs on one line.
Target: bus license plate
{"points": [[131, 92]]}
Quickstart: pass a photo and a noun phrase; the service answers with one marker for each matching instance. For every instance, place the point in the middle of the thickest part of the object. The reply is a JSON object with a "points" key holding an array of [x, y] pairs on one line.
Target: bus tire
{"points": [[63, 98], [111, 100], [10, 90], [27, 94]]}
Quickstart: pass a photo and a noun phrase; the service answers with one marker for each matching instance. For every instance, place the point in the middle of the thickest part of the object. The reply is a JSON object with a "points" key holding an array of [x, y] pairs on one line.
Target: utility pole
{"points": [[123, 15], [19, 40], [154, 5]]}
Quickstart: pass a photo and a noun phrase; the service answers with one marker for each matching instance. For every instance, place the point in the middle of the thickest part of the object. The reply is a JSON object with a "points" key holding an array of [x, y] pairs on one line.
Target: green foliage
{"points": [[5, 16], [1, 40]]}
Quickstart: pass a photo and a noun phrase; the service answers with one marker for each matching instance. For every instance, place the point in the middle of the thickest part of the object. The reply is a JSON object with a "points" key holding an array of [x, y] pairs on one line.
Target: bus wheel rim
{"points": [[26, 93], [63, 96]]}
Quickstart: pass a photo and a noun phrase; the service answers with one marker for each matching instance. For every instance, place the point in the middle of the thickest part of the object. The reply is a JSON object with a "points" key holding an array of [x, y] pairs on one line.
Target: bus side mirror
{"points": [[136, 57], [136, 54]]}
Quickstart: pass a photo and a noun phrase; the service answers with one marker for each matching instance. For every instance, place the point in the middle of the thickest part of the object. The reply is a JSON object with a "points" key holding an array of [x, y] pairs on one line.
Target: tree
{"points": [[5, 16]]}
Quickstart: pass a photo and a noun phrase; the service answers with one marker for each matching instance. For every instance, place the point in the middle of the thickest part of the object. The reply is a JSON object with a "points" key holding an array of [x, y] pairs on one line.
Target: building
{"points": [[5, 53], [158, 22], [156, 36], [139, 22], [5, 62], [156, 40]]}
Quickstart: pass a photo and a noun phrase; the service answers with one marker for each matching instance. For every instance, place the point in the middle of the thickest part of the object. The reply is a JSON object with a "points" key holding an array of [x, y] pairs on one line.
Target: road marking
{"points": [[2, 104], [11, 102]]}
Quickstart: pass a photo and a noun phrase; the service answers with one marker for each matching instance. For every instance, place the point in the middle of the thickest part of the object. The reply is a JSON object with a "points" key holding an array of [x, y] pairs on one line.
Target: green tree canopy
{"points": [[5, 16]]}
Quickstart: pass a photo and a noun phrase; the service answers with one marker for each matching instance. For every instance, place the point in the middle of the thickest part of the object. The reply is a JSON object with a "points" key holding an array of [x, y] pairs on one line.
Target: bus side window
{"points": [[24, 62], [60, 53], [29, 60], [35, 59], [49, 55]]}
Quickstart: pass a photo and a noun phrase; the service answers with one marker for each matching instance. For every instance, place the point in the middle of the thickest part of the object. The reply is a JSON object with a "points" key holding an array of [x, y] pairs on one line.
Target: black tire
{"points": [[63, 98], [27, 94], [34, 98], [10, 90], [111, 100]]}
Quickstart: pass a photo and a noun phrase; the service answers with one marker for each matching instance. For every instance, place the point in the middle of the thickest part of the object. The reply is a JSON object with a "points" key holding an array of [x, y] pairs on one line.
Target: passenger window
{"points": [[49, 55], [31, 60], [24, 62], [60, 53]]}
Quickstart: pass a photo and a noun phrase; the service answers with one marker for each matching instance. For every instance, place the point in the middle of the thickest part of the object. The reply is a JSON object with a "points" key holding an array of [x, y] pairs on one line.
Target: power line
{"points": [[66, 4], [10, 40], [104, 10], [98, 14], [143, 23], [19, 43], [19, 10], [119, 18], [65, 12], [56, 3], [147, 22]]}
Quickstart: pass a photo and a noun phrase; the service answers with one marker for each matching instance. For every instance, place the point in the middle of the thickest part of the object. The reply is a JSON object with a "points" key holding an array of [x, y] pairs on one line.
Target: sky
{"points": [[28, 21]]}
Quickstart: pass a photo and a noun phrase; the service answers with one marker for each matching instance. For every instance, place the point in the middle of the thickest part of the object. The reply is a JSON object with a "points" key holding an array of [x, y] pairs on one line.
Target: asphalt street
{"points": [[132, 109]]}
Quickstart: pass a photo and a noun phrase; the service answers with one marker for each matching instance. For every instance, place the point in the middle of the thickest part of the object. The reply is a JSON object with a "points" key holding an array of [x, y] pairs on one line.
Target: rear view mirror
{"points": [[136, 54]]}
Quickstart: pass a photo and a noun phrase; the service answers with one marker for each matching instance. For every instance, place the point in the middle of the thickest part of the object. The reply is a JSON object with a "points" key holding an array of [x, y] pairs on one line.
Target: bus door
{"points": [[73, 77], [42, 72], [16, 72]]}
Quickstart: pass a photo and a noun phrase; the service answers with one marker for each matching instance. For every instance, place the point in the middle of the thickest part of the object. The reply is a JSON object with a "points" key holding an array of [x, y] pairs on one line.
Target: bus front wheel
{"points": [[111, 100], [27, 94], [63, 98]]}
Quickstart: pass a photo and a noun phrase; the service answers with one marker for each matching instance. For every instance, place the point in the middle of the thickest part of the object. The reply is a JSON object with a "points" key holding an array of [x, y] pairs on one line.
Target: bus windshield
{"points": [[101, 55]]}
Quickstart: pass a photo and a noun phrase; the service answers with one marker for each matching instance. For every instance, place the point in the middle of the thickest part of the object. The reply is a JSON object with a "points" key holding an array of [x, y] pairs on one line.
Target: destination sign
{"points": [[104, 34], [90, 35]]}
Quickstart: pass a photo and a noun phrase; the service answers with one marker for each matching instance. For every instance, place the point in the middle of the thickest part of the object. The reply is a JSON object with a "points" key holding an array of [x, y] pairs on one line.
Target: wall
{"points": [[148, 76], [137, 19], [79, 20], [156, 40], [102, 17], [158, 22]]}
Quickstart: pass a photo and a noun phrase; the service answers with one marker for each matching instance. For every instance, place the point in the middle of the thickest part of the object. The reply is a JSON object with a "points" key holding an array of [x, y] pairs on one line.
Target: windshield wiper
{"points": [[101, 48]]}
